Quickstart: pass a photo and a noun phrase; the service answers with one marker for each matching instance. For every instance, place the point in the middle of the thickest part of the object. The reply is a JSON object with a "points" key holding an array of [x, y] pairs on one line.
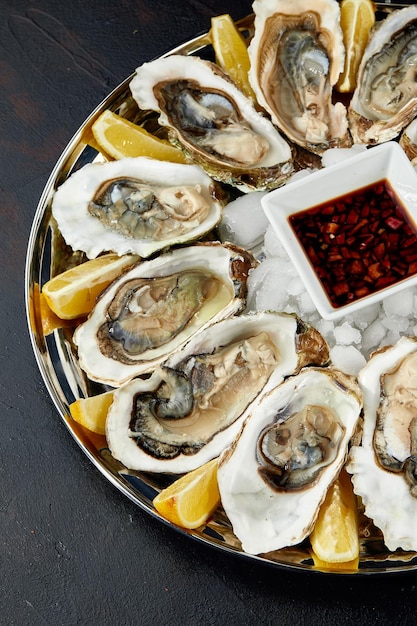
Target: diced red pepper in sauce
{"points": [[375, 271], [394, 223], [359, 243], [356, 267]]}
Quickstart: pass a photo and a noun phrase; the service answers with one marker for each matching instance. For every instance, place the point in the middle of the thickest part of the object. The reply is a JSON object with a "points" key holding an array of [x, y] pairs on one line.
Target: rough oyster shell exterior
{"points": [[408, 140]]}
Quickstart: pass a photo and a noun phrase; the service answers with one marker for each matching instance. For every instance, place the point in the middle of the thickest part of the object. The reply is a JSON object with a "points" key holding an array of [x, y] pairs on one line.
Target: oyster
{"points": [[276, 473], [296, 55], [194, 403], [384, 466], [408, 140], [157, 305], [213, 122], [135, 205], [385, 99]]}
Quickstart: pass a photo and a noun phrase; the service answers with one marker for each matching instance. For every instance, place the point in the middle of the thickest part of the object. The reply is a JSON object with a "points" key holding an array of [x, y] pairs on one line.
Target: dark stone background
{"points": [[73, 550]]}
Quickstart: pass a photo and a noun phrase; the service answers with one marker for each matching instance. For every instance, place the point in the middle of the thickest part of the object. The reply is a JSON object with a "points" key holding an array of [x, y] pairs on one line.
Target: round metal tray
{"points": [[48, 255]]}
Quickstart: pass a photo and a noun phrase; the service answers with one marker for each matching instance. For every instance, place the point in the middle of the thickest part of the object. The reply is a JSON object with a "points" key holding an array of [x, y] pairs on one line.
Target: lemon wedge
{"points": [[92, 412], [357, 17], [190, 500], [73, 293], [335, 537], [41, 316], [231, 51], [120, 138]]}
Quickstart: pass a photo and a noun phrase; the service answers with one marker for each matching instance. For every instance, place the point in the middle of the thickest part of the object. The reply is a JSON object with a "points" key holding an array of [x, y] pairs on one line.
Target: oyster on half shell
{"points": [[213, 122], [154, 307], [195, 402], [275, 475], [135, 205], [297, 54], [384, 466], [385, 99]]}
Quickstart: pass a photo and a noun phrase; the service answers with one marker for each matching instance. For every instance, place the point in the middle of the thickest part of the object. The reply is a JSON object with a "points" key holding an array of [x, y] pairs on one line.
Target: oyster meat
{"points": [[385, 99], [297, 54], [135, 205], [384, 466], [194, 404], [275, 475], [157, 305], [213, 121]]}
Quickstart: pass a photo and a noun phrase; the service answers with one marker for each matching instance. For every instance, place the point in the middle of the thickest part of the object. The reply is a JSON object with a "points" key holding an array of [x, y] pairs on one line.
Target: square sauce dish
{"points": [[350, 229]]}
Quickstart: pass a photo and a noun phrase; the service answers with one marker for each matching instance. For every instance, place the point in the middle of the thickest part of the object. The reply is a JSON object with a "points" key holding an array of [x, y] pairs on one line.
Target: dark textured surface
{"points": [[72, 549]]}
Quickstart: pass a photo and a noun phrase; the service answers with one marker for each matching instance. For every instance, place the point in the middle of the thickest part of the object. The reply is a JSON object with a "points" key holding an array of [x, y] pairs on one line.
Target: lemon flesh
{"points": [[190, 500], [357, 17], [74, 293], [231, 52], [119, 138], [335, 537]]}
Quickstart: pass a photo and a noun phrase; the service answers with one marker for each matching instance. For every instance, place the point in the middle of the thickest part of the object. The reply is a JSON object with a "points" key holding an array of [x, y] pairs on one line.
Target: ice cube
{"points": [[395, 322], [335, 155], [373, 335], [348, 359], [272, 244], [300, 174], [267, 285], [362, 318], [391, 338], [296, 287], [345, 334], [399, 303], [269, 299], [244, 221], [325, 327], [306, 304]]}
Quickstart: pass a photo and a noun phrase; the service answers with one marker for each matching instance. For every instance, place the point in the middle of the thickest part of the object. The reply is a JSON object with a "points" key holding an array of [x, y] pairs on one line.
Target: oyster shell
{"points": [[194, 404], [385, 99], [135, 205], [296, 55], [213, 122], [408, 140], [293, 443], [383, 467], [157, 305]]}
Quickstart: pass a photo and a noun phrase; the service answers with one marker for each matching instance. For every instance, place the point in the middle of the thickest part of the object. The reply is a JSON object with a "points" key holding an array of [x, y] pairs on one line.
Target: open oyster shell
{"points": [[195, 402], [292, 446], [213, 122], [383, 467], [135, 205], [154, 307], [385, 99], [296, 55]]}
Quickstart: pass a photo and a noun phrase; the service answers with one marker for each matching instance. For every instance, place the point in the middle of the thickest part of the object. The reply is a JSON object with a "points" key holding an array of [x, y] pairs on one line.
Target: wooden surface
{"points": [[73, 550]]}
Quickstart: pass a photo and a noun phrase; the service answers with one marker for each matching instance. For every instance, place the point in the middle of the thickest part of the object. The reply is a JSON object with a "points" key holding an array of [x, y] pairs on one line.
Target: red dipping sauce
{"points": [[358, 243]]}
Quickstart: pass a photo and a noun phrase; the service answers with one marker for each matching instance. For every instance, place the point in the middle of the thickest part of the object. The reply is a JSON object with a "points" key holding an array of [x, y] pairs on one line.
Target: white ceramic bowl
{"points": [[384, 162]]}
